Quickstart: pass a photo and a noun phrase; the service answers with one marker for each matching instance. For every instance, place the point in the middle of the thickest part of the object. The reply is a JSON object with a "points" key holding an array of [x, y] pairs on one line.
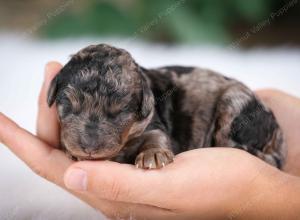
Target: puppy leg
{"points": [[155, 151], [242, 121]]}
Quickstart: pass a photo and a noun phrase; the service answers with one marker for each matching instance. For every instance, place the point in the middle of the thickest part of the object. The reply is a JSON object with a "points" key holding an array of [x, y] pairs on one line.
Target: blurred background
{"points": [[257, 42], [271, 22]]}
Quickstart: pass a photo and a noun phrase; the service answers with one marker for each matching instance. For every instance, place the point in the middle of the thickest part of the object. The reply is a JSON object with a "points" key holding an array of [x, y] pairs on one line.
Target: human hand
{"points": [[200, 184], [40, 151]]}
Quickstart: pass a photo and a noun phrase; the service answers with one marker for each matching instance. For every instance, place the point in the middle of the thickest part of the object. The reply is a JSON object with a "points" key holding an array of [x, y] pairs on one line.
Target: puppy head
{"points": [[103, 100]]}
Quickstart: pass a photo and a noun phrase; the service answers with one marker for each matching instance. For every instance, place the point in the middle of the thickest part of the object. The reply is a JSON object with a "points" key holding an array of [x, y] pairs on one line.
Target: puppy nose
{"points": [[90, 146], [89, 150]]}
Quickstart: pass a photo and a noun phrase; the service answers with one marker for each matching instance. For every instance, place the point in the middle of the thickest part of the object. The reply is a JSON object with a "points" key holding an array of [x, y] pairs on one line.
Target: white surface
{"points": [[26, 196]]}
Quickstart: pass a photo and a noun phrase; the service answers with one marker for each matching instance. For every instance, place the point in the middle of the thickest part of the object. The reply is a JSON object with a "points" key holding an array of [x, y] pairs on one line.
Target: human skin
{"points": [[210, 183]]}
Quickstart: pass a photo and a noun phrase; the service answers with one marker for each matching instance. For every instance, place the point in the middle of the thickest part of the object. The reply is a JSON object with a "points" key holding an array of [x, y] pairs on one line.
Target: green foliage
{"points": [[159, 20], [253, 10]]}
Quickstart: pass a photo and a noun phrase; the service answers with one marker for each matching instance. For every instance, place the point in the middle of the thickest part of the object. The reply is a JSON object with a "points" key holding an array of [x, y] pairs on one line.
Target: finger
{"points": [[274, 97], [43, 159], [47, 121], [268, 95], [51, 164], [118, 182], [281, 104], [121, 210]]}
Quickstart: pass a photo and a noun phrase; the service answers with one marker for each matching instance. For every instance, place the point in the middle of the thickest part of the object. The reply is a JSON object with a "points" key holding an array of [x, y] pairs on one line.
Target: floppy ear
{"points": [[147, 98], [52, 92]]}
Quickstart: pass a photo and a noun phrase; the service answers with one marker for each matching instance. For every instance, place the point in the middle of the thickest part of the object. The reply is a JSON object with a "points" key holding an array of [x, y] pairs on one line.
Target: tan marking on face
{"points": [[139, 127], [73, 96], [125, 133], [114, 107]]}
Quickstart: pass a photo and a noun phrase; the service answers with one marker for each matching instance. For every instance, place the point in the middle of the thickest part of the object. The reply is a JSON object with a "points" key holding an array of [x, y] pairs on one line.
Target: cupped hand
{"points": [[211, 183], [40, 152]]}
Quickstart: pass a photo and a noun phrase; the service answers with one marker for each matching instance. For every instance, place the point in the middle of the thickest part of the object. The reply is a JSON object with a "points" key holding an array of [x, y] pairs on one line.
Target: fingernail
{"points": [[76, 179]]}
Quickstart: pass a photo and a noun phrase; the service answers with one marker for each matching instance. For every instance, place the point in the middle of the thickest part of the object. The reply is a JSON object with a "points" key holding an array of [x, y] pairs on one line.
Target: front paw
{"points": [[154, 158]]}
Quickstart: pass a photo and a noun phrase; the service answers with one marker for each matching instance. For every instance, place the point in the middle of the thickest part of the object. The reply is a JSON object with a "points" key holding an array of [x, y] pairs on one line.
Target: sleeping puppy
{"points": [[109, 107]]}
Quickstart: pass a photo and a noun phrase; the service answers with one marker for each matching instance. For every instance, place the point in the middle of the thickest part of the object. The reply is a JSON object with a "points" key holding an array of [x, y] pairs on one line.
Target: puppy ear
{"points": [[147, 98], [52, 92]]}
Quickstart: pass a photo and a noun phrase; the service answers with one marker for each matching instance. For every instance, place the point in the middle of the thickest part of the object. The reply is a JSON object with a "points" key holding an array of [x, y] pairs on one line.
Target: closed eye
{"points": [[113, 115]]}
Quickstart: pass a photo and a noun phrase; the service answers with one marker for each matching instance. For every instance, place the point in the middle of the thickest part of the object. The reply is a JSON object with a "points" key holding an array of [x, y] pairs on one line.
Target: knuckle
{"points": [[43, 166], [115, 191], [38, 170]]}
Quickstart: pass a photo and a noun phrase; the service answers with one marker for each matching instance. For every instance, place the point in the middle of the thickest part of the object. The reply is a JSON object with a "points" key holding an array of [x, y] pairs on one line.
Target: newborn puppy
{"points": [[109, 107]]}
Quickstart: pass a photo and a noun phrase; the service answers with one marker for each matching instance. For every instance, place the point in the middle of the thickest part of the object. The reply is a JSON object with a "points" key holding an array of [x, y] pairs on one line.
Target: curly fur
{"points": [[112, 108]]}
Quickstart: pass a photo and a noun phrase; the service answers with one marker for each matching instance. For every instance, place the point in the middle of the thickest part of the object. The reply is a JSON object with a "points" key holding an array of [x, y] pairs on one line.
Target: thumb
{"points": [[117, 182]]}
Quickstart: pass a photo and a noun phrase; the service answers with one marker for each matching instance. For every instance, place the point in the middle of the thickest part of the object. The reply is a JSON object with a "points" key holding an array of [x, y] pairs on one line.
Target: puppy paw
{"points": [[154, 158]]}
